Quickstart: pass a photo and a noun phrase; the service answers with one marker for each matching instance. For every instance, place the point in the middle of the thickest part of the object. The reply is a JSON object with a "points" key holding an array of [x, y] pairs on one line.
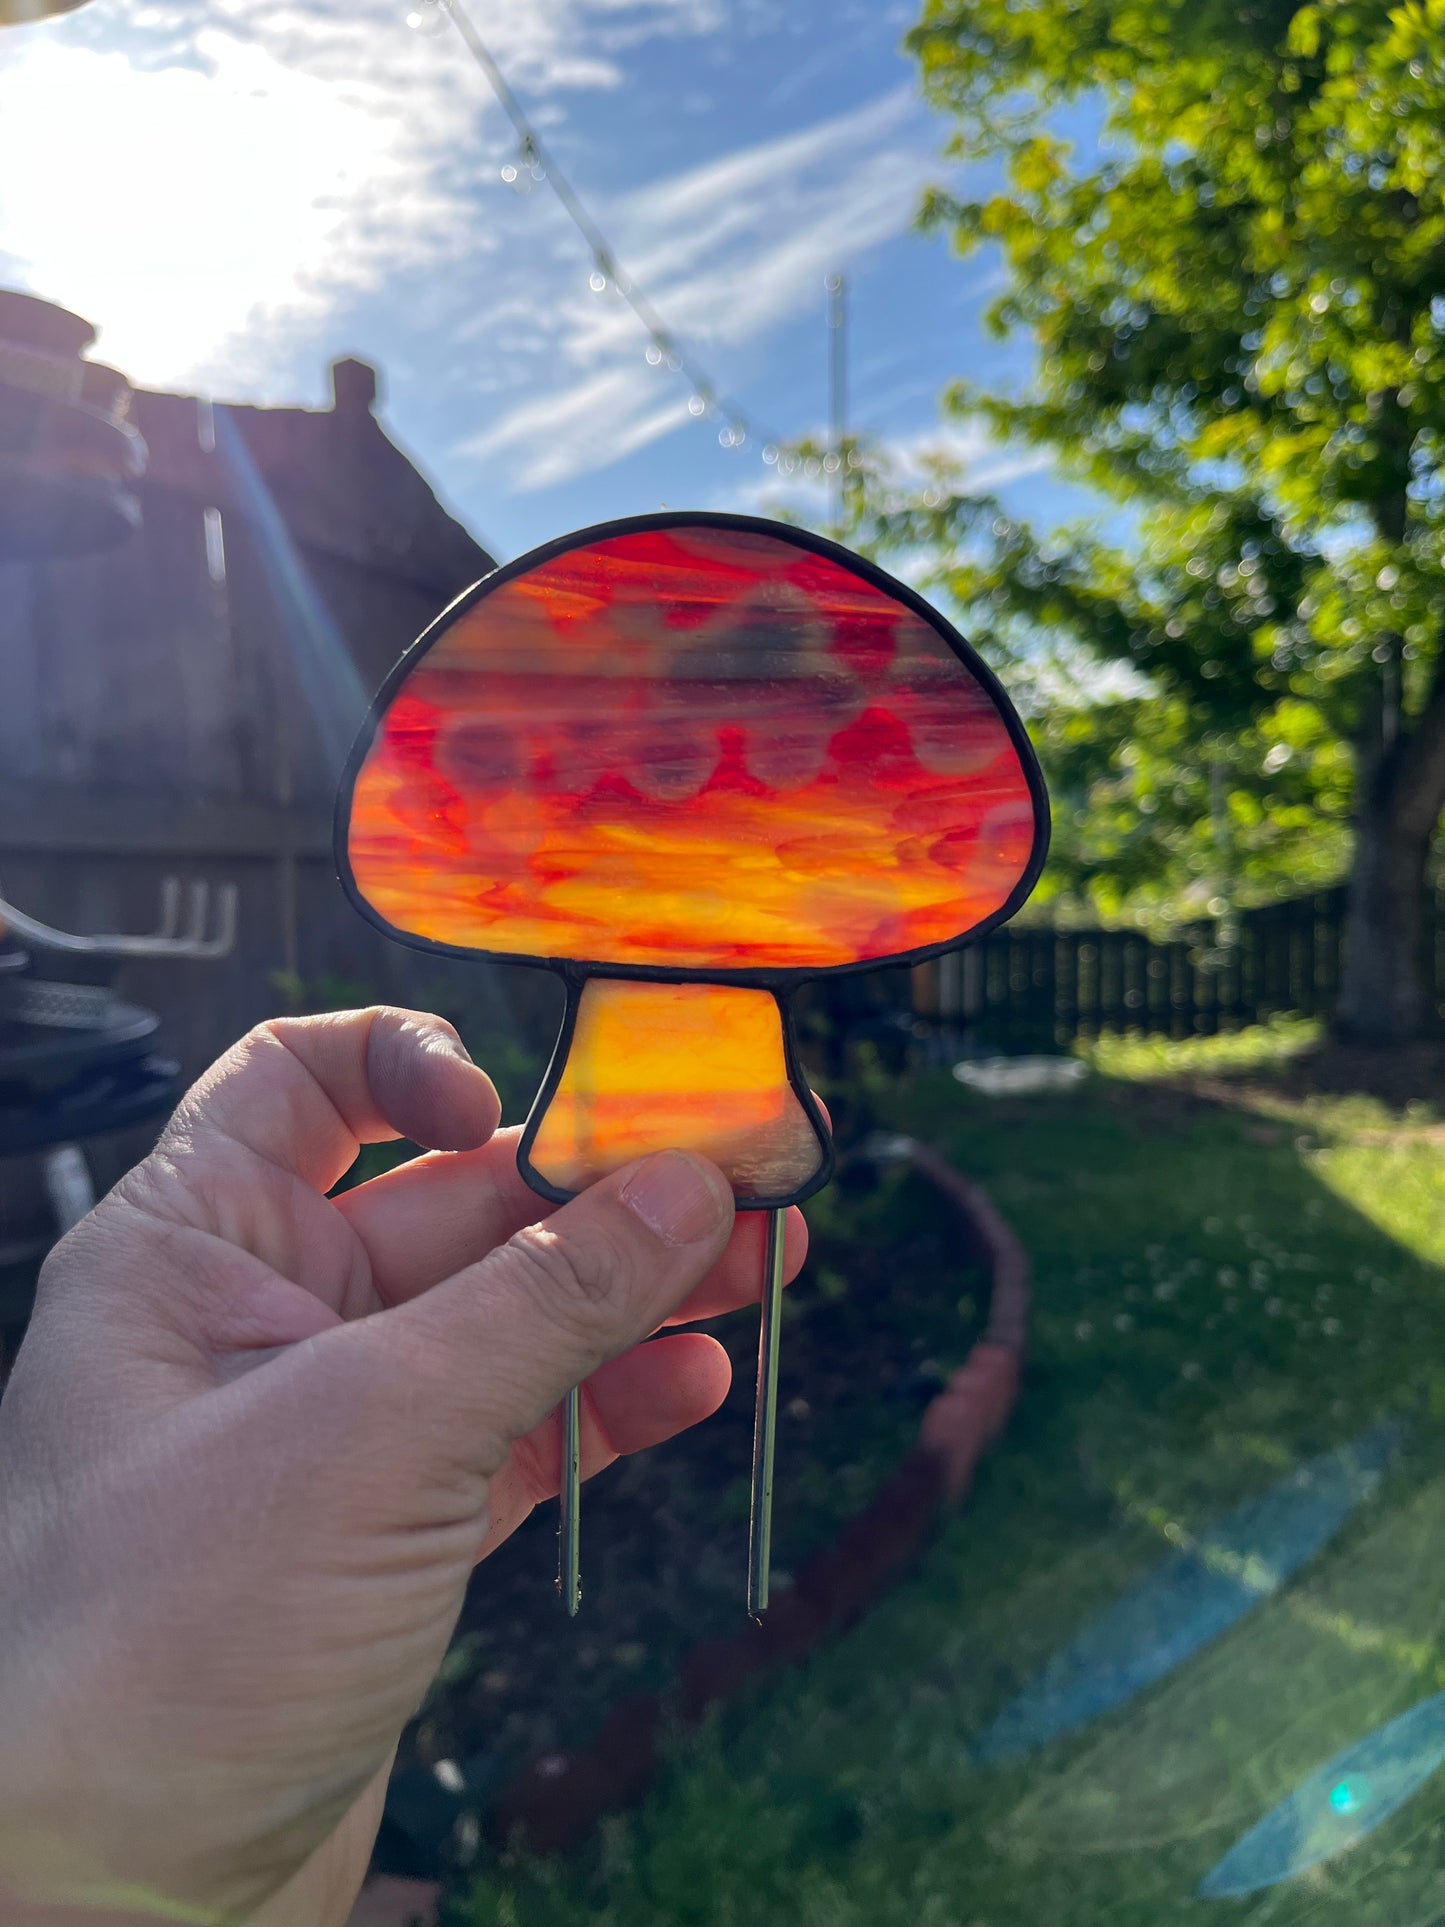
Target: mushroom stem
{"points": [[643, 1066], [569, 1555], [765, 1420]]}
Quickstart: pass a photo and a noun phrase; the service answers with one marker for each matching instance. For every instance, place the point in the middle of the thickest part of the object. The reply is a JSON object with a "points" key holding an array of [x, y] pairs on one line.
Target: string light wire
{"points": [[664, 347]]}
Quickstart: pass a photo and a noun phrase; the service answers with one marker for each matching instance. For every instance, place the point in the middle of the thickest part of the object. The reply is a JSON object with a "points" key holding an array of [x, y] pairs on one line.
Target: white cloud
{"points": [[727, 251], [209, 181], [982, 462], [982, 465], [542, 44], [203, 202], [247, 172], [585, 426]]}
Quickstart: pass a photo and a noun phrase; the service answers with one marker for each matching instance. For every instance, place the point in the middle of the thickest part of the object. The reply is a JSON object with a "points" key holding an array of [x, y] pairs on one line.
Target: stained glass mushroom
{"points": [[689, 762], [20, 13]]}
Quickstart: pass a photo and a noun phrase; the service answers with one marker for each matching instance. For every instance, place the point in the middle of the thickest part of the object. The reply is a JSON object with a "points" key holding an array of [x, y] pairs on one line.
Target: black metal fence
{"points": [[1047, 987]]}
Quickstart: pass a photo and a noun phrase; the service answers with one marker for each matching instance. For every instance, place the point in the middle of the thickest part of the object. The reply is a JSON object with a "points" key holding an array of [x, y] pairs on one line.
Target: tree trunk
{"points": [[1385, 997], [1386, 991]]}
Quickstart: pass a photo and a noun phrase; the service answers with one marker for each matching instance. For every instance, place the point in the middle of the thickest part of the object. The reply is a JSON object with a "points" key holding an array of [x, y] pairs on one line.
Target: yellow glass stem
{"points": [[689, 1067]]}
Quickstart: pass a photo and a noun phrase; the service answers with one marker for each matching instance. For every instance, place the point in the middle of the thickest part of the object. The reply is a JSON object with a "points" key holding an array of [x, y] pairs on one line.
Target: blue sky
{"points": [[237, 190]]}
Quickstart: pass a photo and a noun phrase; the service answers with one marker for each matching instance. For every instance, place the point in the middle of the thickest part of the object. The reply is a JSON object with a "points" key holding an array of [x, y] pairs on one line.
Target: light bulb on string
{"points": [[530, 159], [812, 466], [520, 173], [831, 464], [428, 17], [528, 169]]}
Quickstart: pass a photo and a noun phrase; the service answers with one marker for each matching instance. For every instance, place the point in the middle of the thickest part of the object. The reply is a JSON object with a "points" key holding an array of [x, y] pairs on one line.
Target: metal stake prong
{"points": [[765, 1419], [569, 1560]]}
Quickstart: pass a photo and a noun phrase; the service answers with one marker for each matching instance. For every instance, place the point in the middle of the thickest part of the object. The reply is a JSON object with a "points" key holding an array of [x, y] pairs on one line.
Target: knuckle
{"points": [[583, 1285], [396, 1040], [262, 1042]]}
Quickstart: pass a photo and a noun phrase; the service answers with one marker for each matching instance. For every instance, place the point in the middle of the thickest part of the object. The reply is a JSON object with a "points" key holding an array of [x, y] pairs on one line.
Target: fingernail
{"points": [[676, 1197]]}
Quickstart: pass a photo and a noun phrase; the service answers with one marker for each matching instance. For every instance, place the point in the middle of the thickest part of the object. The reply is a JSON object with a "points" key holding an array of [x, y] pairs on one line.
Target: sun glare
{"points": [[195, 205]]}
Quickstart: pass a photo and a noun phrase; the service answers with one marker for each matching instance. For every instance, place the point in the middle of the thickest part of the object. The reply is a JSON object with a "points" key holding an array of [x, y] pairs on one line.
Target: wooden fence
{"points": [[1044, 987]]}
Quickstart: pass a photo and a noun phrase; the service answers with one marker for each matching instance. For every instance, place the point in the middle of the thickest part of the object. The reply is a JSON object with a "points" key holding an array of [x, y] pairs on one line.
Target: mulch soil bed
{"points": [[887, 1307]]}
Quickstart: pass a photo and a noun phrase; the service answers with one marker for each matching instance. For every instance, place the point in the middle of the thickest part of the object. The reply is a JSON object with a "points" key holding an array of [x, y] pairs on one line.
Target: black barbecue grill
{"points": [[78, 1062]]}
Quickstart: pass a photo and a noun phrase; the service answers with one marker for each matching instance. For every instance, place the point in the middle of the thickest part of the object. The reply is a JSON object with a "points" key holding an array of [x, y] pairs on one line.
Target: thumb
{"points": [[483, 1357]]}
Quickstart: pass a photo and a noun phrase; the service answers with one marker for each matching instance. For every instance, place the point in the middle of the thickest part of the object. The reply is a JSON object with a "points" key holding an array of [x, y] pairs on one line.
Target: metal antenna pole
{"points": [[569, 1554], [837, 288], [765, 1418]]}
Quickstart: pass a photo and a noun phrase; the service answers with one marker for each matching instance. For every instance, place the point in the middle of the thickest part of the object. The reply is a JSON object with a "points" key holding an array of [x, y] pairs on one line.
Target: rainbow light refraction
{"points": [[699, 748]]}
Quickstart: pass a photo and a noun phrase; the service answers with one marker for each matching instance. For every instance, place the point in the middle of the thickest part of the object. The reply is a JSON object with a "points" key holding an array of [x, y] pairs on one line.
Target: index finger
{"points": [[305, 1093]]}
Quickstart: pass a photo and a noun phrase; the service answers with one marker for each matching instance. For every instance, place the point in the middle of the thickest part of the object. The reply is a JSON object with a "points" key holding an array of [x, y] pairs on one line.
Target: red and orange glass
{"points": [[689, 762]]}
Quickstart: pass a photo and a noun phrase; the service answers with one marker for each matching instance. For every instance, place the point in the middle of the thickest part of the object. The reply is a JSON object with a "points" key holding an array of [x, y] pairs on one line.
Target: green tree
{"points": [[1154, 819], [1236, 290], [1165, 811]]}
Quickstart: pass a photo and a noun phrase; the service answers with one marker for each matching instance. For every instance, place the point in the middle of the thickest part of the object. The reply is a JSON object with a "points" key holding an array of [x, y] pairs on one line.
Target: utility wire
{"points": [[664, 346], [837, 288]]}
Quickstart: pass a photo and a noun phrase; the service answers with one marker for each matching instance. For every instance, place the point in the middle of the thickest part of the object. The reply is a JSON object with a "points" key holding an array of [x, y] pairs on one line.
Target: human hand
{"points": [[256, 1438]]}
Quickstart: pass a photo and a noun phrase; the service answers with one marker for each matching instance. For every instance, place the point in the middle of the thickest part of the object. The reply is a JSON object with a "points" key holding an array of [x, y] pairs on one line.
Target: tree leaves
{"points": [[1237, 294]]}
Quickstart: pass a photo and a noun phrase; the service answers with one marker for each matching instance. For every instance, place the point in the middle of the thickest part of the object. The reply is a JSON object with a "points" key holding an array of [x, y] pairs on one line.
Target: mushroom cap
{"points": [[698, 745]]}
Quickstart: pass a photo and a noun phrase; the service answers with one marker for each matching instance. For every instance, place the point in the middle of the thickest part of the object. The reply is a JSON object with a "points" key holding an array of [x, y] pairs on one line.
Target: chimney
{"points": [[353, 386]]}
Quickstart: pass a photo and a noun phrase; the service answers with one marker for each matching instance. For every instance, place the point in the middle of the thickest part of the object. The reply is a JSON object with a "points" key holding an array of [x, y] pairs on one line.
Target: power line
{"points": [[837, 288], [664, 347]]}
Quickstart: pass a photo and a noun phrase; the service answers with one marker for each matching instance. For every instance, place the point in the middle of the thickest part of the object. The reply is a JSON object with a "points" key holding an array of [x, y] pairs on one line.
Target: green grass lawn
{"points": [[1228, 1281]]}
